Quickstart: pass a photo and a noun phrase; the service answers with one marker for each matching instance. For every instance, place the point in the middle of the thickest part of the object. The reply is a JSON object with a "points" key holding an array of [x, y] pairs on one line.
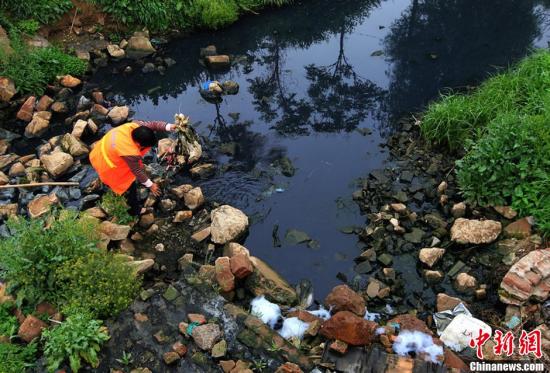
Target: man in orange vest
{"points": [[118, 158]]}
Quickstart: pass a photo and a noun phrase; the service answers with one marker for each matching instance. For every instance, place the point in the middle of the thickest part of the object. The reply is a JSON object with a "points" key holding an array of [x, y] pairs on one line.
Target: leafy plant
{"points": [[8, 322], [16, 358], [116, 206], [28, 26], [213, 13], [126, 359], [31, 256], [45, 11], [31, 69], [79, 337], [100, 283]]}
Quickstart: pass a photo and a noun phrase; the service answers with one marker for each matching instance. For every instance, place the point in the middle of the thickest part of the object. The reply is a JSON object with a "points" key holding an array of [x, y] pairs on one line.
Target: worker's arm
{"points": [[157, 125], [136, 166]]}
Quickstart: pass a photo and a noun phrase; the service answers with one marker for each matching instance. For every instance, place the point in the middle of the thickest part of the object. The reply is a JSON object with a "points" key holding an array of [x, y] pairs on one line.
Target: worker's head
{"points": [[144, 137]]}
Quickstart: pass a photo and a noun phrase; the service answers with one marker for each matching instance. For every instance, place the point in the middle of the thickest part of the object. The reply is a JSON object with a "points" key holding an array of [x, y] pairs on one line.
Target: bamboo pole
{"points": [[32, 185]]}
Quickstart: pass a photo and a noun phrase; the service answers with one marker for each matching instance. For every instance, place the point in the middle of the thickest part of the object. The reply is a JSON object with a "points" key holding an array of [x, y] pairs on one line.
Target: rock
{"points": [[115, 51], [265, 281], [203, 171], [228, 223], [16, 169], [339, 347], [519, 229], [82, 54], [180, 191], [70, 81], [433, 277], [219, 349], [442, 188], [182, 216], [224, 276], [446, 302], [289, 367], [430, 256], [114, 232], [451, 360], [194, 198], [8, 210], [410, 322], [142, 266], [400, 208], [146, 220], [79, 128], [26, 110], [296, 237], [528, 279], [7, 89], [57, 163], [205, 336], [139, 45], [31, 328], [41, 205], [99, 112], [415, 236], [59, 107], [349, 328], [165, 145], [506, 211], [465, 283], [241, 266], [476, 232], [36, 127], [218, 62], [126, 246], [119, 114], [4, 179], [73, 145], [343, 298], [98, 97], [179, 348], [44, 103], [201, 235], [233, 248], [372, 289], [170, 357], [458, 210], [210, 50]]}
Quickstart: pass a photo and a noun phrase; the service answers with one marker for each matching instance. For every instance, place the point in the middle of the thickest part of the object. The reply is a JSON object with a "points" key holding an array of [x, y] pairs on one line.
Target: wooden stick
{"points": [[32, 185]]}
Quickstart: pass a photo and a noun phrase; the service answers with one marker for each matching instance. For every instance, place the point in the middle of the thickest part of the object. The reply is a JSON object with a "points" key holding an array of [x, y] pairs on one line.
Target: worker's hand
{"points": [[155, 189], [171, 127]]}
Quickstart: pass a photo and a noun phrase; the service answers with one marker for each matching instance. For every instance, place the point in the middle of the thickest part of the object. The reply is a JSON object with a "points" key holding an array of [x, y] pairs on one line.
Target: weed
{"points": [[16, 358], [79, 337], [126, 359], [213, 14], [100, 283], [31, 256], [45, 11], [8, 322], [27, 26], [116, 207], [258, 365]]}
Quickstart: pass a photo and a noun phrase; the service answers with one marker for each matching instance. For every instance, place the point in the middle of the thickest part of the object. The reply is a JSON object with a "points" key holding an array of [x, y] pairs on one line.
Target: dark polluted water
{"points": [[323, 83]]}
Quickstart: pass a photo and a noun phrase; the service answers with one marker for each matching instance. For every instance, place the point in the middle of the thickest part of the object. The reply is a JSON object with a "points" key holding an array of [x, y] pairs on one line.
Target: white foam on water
{"points": [[293, 327], [268, 312], [417, 342], [321, 312]]}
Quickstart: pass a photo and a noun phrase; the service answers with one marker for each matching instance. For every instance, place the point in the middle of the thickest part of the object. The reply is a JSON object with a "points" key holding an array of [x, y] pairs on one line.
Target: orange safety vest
{"points": [[106, 157]]}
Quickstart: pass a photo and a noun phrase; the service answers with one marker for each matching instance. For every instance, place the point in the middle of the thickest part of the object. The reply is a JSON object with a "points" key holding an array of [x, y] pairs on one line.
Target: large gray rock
{"points": [[114, 232], [38, 125], [194, 198], [41, 205], [228, 223], [139, 45], [431, 255], [465, 231], [73, 145], [57, 163], [119, 114]]}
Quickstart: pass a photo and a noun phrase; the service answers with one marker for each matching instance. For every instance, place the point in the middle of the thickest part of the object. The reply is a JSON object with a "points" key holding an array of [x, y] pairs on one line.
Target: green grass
{"points": [[45, 11], [521, 90], [503, 130], [17, 359], [116, 207], [8, 322], [32, 68]]}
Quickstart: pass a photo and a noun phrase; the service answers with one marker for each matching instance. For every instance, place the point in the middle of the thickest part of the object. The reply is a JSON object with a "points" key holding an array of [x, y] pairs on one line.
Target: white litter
{"points": [[461, 330], [293, 327], [268, 312], [371, 316], [380, 331], [321, 312], [417, 342]]}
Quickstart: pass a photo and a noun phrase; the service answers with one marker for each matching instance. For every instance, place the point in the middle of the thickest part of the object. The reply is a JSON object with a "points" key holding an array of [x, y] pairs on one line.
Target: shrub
{"points": [[8, 322], [79, 337], [45, 11], [457, 118], [213, 13], [116, 207], [15, 358], [30, 257], [27, 26], [100, 283], [32, 69], [510, 165]]}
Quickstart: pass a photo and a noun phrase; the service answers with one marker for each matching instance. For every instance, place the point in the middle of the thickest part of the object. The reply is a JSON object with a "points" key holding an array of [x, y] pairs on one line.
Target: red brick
{"points": [[224, 276], [241, 266]]}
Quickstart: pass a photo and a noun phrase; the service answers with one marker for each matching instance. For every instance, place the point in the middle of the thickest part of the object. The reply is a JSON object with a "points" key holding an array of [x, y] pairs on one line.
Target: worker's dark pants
{"points": [[133, 200]]}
